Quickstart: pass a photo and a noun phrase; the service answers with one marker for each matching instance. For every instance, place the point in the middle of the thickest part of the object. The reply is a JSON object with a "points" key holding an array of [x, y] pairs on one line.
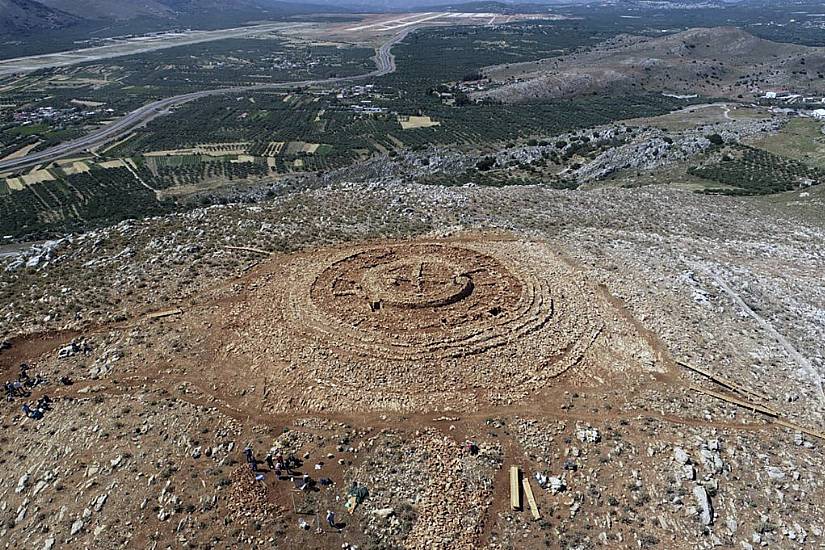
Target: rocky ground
{"points": [[142, 445]]}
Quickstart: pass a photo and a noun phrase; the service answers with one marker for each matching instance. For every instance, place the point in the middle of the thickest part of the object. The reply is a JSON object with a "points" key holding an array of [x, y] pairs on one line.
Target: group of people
{"points": [[23, 385], [43, 404], [278, 464]]}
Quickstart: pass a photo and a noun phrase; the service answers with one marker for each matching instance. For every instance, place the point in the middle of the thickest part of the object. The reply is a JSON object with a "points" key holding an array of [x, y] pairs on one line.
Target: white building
{"points": [[818, 114]]}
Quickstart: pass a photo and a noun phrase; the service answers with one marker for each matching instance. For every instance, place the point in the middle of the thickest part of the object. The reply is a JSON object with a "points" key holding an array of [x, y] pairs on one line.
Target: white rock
{"points": [[775, 473], [680, 455], [22, 483], [101, 500], [76, 527], [588, 435], [704, 505]]}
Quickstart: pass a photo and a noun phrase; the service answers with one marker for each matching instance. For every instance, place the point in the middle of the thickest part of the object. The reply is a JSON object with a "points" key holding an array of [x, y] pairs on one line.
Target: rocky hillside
{"points": [[715, 62], [109, 9], [142, 440], [20, 16]]}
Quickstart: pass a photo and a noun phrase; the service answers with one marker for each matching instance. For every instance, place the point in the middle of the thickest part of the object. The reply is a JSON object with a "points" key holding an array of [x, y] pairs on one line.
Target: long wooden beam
{"points": [[515, 488], [804, 430], [722, 381], [750, 405], [249, 249], [761, 409], [167, 313], [528, 492]]}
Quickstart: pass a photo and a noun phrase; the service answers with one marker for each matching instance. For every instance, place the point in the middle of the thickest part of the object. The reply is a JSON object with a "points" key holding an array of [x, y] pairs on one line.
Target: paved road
{"points": [[384, 61]]}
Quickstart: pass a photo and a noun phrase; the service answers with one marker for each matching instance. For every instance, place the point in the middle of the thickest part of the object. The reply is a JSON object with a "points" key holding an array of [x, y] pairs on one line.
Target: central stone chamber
{"points": [[416, 292], [416, 283]]}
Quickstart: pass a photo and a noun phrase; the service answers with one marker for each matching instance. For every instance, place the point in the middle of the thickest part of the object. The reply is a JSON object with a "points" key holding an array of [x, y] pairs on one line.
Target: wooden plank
{"points": [[760, 409], [736, 401], [528, 492], [249, 249], [798, 428], [167, 313], [515, 488], [722, 381]]}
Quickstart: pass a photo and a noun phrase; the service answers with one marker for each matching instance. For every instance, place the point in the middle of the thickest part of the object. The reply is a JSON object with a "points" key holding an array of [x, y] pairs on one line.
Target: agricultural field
{"points": [[258, 137], [801, 139], [744, 170], [696, 116], [241, 61], [422, 67], [53, 105], [430, 57], [67, 199]]}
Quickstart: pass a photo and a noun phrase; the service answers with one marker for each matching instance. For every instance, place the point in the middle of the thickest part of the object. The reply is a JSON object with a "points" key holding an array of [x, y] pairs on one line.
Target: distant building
{"points": [[818, 114], [770, 95]]}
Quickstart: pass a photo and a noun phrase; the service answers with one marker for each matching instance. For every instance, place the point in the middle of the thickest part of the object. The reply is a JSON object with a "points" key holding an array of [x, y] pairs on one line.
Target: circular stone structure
{"points": [[415, 301], [414, 325], [424, 301]]}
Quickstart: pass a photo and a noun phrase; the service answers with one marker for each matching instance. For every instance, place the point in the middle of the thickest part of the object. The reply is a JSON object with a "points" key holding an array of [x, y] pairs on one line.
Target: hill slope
{"points": [[20, 16], [109, 9], [716, 62]]}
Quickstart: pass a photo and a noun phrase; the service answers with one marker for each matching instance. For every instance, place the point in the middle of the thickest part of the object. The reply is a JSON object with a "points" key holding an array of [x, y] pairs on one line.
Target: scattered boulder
{"points": [[22, 483], [588, 435], [704, 505]]}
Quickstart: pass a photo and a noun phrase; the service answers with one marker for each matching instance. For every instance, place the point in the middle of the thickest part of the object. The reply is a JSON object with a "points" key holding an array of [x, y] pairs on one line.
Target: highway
{"points": [[384, 61]]}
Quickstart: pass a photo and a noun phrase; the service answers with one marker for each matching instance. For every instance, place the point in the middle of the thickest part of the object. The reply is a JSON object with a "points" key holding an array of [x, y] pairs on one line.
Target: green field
{"points": [[70, 203], [126, 83], [746, 170], [801, 139], [429, 60], [28, 130]]}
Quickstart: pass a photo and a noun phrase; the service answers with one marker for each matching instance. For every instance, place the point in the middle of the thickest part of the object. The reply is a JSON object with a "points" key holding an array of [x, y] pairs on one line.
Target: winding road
{"points": [[384, 61]]}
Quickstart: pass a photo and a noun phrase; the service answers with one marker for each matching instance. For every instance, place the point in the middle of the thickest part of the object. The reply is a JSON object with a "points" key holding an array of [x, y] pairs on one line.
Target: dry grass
{"points": [[411, 122]]}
